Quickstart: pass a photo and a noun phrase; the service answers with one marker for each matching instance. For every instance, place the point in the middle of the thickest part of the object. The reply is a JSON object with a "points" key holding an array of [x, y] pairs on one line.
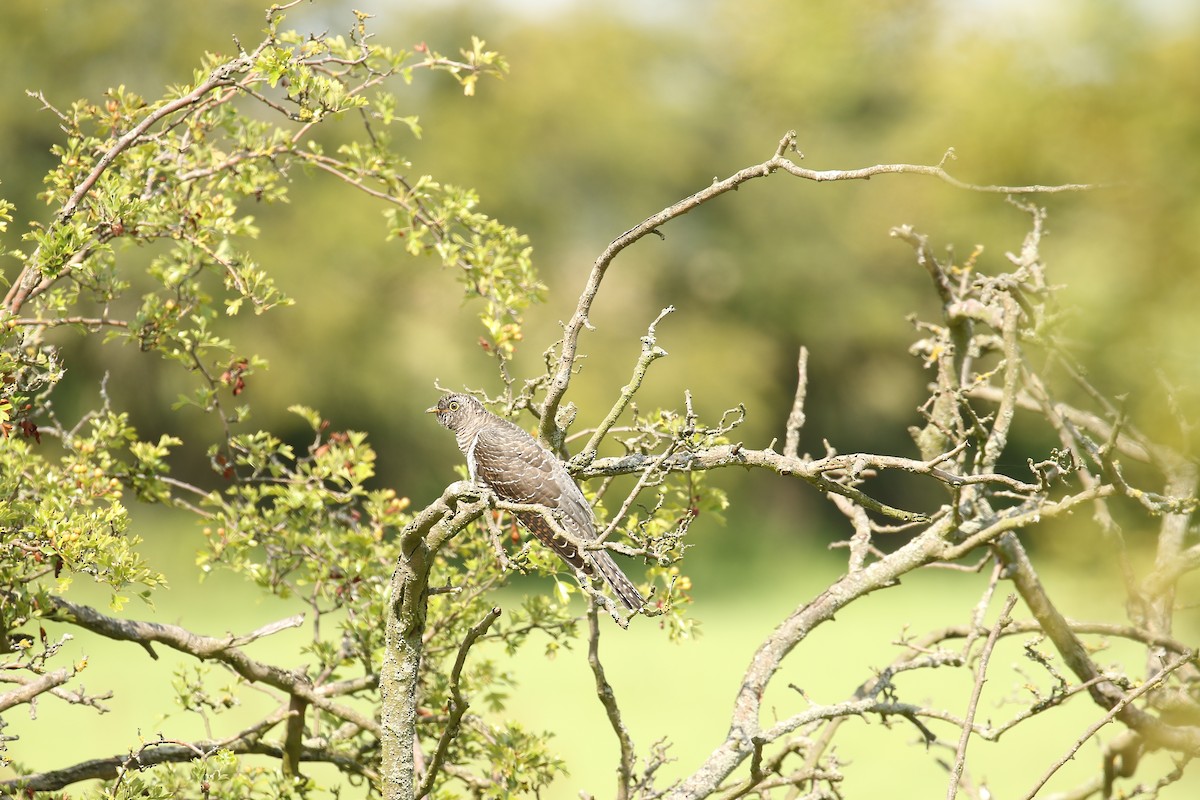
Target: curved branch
{"points": [[461, 504], [206, 648], [28, 691], [247, 742], [557, 388]]}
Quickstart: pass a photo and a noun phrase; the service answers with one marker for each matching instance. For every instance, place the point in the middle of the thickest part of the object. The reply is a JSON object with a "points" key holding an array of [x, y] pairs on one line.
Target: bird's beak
{"points": [[431, 410]]}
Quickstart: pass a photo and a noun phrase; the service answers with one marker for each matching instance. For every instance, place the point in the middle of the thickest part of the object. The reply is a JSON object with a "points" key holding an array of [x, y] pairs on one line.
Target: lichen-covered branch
{"points": [[399, 677]]}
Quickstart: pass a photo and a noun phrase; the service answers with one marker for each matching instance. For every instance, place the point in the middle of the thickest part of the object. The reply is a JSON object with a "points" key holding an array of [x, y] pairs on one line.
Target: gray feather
{"points": [[517, 468]]}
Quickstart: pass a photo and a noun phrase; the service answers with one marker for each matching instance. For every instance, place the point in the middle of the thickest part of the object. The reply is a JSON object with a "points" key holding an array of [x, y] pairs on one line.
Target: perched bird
{"points": [[519, 469]]}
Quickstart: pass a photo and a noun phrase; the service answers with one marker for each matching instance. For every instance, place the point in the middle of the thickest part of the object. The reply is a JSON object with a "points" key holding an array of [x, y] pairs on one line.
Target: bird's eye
{"points": [[452, 405]]}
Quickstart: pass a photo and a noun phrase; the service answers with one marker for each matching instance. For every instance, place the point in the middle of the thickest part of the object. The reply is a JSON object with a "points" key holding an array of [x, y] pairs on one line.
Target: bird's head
{"points": [[453, 410]]}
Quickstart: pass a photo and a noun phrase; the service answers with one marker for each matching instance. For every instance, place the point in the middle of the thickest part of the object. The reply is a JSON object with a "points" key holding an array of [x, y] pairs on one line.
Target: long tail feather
{"points": [[622, 587]]}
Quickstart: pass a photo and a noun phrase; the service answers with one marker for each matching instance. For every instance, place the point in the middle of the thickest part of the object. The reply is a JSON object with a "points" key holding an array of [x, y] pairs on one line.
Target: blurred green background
{"points": [[611, 112]]}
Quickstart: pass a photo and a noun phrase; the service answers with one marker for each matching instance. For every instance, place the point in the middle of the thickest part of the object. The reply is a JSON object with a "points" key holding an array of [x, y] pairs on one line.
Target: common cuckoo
{"points": [[519, 469]]}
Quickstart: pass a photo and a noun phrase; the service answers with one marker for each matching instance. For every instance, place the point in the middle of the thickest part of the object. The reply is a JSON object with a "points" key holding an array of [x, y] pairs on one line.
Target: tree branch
{"points": [[458, 702], [32, 689], [960, 756], [557, 388], [1113, 713], [459, 505], [608, 699]]}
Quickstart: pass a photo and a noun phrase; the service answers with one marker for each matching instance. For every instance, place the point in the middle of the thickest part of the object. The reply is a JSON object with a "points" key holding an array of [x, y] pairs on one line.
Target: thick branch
{"points": [[1114, 713], [459, 505], [1183, 739]]}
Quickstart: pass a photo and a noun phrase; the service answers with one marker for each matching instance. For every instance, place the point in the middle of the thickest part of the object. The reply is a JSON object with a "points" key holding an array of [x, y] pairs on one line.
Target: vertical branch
{"points": [[1159, 587], [608, 699], [401, 666], [650, 352], [960, 757], [998, 437], [796, 419], [399, 675], [294, 736], [458, 702]]}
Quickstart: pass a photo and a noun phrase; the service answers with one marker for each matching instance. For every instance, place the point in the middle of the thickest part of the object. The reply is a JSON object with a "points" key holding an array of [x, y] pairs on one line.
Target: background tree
{"points": [[314, 526]]}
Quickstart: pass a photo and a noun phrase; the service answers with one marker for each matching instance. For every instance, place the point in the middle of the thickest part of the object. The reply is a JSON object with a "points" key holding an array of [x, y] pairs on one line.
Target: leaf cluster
{"points": [[150, 244]]}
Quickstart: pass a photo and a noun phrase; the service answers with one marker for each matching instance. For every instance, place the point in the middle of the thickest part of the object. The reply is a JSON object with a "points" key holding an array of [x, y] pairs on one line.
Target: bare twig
{"points": [[795, 420], [1113, 713], [458, 702], [608, 699], [269, 629], [557, 387], [960, 756], [650, 353]]}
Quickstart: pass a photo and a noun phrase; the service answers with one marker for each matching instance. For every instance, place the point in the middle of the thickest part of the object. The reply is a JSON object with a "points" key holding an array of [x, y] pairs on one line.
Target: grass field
{"points": [[682, 692]]}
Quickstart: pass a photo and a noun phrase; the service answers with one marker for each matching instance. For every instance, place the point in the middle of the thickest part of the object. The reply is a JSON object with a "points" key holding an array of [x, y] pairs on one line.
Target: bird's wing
{"points": [[514, 465], [572, 501], [520, 470]]}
